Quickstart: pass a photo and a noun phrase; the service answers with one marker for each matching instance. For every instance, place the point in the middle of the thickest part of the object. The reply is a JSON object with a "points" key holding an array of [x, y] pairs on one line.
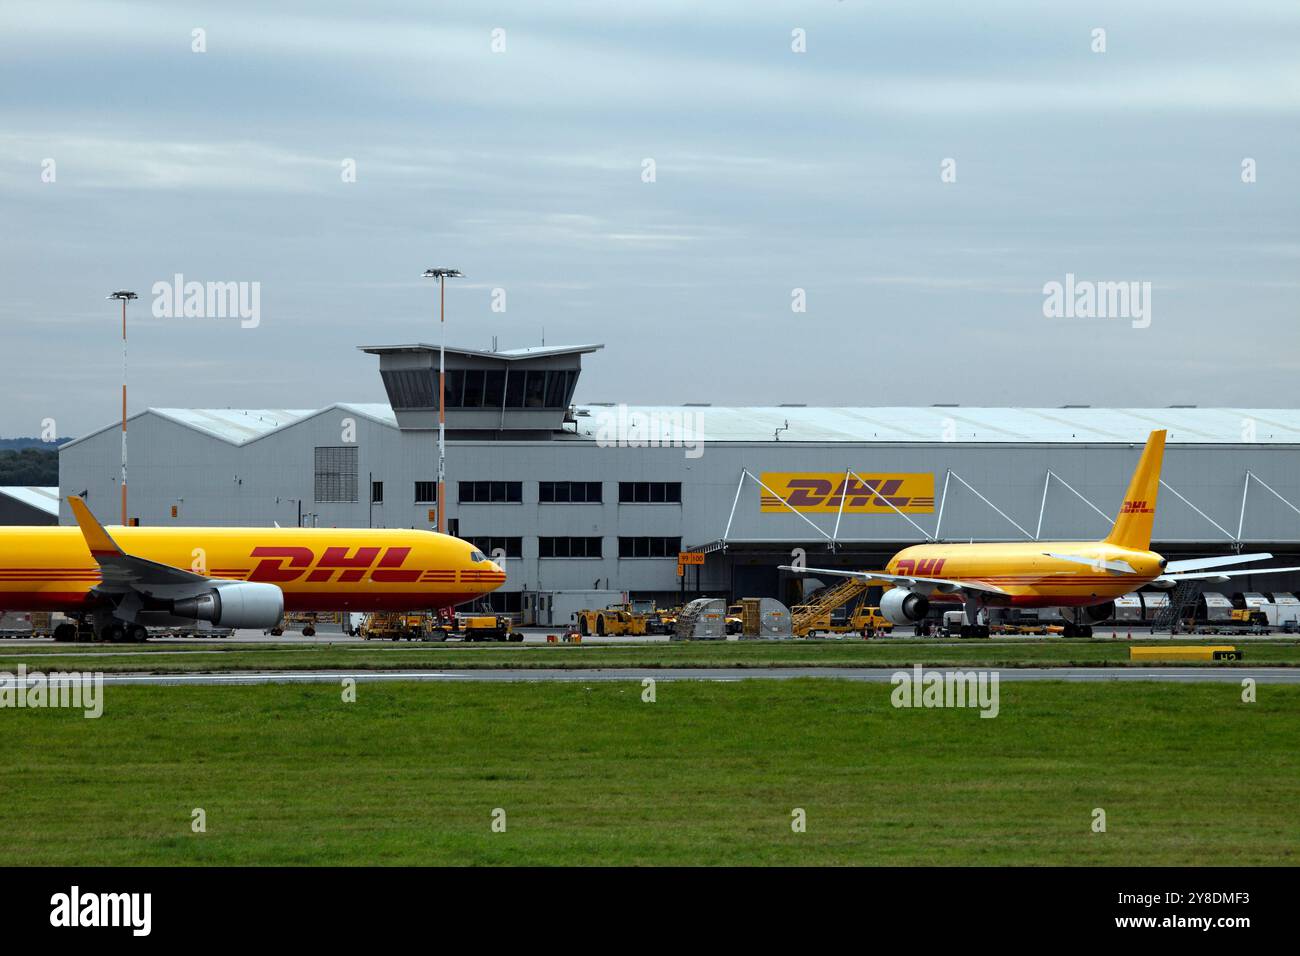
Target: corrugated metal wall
{"points": [[215, 483]]}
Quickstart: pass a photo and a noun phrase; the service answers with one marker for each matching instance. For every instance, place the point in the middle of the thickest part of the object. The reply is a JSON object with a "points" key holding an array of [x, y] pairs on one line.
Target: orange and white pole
{"points": [[442, 275], [124, 297], [442, 405], [124, 521]]}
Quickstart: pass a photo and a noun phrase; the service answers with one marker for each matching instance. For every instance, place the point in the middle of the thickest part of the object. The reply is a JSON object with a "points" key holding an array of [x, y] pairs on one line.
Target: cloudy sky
{"points": [[774, 170]]}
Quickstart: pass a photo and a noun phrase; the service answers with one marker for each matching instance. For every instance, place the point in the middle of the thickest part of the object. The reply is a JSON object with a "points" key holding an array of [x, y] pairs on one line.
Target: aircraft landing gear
{"points": [[65, 633], [971, 626], [113, 631]]}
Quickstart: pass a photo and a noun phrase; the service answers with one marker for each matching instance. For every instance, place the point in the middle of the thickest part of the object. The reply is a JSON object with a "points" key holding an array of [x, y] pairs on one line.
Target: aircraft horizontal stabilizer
{"points": [[1097, 564], [1217, 575], [1200, 564]]}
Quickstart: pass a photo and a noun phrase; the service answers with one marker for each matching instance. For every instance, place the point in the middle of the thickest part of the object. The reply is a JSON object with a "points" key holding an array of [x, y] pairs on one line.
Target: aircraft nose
{"points": [[486, 576]]}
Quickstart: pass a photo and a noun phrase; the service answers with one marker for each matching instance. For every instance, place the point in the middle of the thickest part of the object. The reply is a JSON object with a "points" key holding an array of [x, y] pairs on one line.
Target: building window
{"points": [[512, 547], [649, 492], [376, 492], [336, 473], [569, 547], [411, 388], [491, 492], [426, 492], [484, 388], [569, 492], [500, 602], [539, 388], [453, 527], [649, 547], [494, 387], [473, 397]]}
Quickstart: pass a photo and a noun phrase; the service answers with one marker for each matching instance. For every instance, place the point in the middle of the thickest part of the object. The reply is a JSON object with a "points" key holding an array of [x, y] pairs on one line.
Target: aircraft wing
{"points": [[1217, 575], [121, 571], [946, 585]]}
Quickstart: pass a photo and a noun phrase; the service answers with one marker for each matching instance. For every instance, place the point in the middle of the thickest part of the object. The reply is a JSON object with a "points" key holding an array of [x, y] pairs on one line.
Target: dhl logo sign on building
{"points": [[815, 491]]}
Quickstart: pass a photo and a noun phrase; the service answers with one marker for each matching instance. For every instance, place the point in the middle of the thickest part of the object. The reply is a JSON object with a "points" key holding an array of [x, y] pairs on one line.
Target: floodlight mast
{"points": [[441, 275], [125, 297]]}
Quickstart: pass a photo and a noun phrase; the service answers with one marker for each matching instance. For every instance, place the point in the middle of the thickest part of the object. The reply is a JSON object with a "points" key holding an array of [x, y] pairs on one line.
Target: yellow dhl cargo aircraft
{"points": [[1081, 578], [230, 577]]}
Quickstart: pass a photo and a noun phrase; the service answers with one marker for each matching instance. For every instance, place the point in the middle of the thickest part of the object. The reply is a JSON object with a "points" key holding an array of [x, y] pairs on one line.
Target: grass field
{"points": [[172, 658], [708, 774]]}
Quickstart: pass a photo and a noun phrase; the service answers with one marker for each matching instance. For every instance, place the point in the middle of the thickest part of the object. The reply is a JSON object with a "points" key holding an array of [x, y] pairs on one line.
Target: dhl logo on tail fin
{"points": [[1133, 525]]}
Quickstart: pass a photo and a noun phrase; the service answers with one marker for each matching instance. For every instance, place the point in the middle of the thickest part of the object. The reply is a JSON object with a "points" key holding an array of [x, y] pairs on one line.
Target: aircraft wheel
{"points": [[65, 633], [1085, 631], [113, 633], [136, 633], [309, 631]]}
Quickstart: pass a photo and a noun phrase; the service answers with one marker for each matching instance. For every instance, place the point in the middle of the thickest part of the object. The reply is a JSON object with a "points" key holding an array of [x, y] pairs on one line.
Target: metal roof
{"points": [[510, 355], [942, 424], [41, 497], [239, 426], [675, 423]]}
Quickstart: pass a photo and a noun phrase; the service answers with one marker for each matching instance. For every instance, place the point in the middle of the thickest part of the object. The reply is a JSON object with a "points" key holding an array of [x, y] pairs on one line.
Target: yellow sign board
{"points": [[1195, 652], [863, 493], [690, 557]]}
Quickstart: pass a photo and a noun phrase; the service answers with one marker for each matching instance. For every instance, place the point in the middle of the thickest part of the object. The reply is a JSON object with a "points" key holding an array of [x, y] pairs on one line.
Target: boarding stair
{"points": [[824, 603], [1183, 596]]}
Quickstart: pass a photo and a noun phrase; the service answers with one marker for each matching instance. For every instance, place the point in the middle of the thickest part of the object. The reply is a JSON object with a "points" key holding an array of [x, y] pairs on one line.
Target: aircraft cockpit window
{"points": [[477, 556]]}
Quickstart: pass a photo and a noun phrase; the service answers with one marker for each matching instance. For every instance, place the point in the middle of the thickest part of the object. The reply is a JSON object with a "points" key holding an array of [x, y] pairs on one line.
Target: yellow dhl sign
{"points": [[817, 491]]}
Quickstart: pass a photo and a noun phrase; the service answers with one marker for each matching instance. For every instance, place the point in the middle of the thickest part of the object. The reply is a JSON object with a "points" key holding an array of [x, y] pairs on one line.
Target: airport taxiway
{"points": [[534, 636], [1190, 675]]}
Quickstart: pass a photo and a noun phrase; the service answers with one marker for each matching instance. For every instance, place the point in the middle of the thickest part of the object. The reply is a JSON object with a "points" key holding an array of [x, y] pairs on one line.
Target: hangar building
{"points": [[28, 505], [595, 495]]}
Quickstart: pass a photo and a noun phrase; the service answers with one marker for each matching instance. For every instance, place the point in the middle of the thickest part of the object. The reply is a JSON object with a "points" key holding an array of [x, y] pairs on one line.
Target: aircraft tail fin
{"points": [[1136, 515]]}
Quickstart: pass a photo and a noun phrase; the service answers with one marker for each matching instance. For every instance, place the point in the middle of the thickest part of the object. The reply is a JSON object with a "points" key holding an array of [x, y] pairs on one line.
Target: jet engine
{"points": [[236, 604], [901, 606]]}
